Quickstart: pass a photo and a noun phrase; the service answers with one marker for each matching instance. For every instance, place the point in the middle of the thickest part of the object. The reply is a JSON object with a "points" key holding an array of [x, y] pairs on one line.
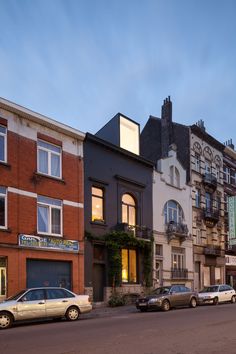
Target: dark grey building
{"points": [[118, 198]]}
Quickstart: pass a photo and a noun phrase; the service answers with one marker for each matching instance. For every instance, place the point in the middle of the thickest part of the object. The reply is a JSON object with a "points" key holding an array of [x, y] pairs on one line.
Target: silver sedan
{"points": [[39, 303]]}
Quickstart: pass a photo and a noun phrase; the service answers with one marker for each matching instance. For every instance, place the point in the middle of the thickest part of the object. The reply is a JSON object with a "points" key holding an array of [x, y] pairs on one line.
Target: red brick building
{"points": [[41, 202]]}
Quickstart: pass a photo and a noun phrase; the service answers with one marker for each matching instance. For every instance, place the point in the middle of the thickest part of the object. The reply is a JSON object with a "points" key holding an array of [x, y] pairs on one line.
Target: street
{"points": [[206, 329]]}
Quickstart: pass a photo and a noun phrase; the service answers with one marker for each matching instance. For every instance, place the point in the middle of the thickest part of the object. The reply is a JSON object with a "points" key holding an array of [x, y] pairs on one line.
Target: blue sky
{"points": [[82, 61]]}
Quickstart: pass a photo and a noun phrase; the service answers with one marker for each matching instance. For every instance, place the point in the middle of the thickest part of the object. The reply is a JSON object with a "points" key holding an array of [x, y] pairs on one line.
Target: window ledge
{"points": [[38, 176], [7, 165], [5, 230], [48, 235], [97, 223]]}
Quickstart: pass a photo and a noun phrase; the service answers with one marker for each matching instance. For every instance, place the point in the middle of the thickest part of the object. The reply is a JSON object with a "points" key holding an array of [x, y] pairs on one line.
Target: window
{"points": [[174, 176], [198, 198], [218, 173], [218, 203], [3, 207], [227, 174], [97, 204], [178, 258], [233, 177], [207, 167], [3, 144], [208, 200], [158, 250], [129, 266], [49, 159], [173, 212], [197, 162], [129, 135], [158, 271], [58, 294], [49, 216], [34, 295], [128, 210]]}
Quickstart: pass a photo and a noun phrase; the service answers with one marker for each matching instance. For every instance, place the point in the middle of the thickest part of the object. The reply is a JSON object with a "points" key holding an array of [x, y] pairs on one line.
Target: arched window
{"points": [[128, 210], [173, 212]]}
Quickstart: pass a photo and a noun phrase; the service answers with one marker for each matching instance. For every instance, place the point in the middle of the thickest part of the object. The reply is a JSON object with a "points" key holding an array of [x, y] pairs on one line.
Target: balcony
{"points": [[138, 231], [211, 216], [179, 273], [176, 230], [212, 250], [210, 180]]}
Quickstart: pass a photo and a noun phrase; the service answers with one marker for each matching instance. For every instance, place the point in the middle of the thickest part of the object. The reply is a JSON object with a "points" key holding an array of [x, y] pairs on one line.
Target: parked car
{"points": [[49, 302], [217, 293], [166, 297]]}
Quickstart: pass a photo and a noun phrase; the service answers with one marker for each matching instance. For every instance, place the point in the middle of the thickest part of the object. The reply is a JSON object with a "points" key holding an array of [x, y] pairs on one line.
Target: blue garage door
{"points": [[48, 273]]}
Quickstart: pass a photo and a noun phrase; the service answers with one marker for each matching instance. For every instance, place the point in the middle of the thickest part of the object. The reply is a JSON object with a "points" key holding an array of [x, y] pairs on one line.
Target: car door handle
{"points": [[41, 303], [64, 300]]}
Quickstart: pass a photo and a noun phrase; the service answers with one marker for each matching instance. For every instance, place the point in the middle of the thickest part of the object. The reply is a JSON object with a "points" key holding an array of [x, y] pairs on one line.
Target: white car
{"points": [[217, 293], [43, 303]]}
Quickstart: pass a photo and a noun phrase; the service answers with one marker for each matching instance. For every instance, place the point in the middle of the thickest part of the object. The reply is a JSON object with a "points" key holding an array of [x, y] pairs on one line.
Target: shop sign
{"points": [[232, 220], [230, 260], [47, 242]]}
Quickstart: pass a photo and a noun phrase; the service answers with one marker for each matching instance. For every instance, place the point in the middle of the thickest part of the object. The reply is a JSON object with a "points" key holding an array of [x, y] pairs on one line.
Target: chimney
{"points": [[166, 126], [166, 110]]}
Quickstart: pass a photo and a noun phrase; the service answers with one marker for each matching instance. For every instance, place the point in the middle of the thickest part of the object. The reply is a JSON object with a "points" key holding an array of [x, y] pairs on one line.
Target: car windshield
{"points": [[163, 290], [209, 289], [16, 296]]}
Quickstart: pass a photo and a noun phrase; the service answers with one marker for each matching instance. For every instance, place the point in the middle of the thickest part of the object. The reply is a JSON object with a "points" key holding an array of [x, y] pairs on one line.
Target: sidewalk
{"points": [[106, 311]]}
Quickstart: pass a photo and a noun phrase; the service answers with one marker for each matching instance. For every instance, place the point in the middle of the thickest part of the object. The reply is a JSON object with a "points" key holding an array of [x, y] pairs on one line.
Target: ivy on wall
{"points": [[115, 241]]}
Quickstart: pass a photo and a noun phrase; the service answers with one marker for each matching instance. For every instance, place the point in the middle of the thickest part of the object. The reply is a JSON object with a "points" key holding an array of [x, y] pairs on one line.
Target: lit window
{"points": [[173, 212], [129, 266], [3, 207], [3, 144], [49, 159], [97, 204], [129, 135], [49, 216], [128, 210]]}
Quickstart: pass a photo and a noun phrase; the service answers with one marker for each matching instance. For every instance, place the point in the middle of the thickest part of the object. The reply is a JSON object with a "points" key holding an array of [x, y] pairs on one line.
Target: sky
{"points": [[82, 61]]}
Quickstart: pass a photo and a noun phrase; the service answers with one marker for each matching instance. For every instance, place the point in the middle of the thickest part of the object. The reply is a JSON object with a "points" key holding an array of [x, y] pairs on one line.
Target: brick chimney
{"points": [[166, 126]]}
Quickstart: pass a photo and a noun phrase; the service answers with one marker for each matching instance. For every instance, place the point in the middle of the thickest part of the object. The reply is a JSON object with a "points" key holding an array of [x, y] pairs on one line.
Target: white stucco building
{"points": [[172, 224]]}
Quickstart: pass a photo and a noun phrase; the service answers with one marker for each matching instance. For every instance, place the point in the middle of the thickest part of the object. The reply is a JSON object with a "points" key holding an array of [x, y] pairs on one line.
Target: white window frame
{"points": [[227, 174], [178, 255], [45, 202], [4, 134], [50, 152], [198, 198], [170, 210], [4, 194]]}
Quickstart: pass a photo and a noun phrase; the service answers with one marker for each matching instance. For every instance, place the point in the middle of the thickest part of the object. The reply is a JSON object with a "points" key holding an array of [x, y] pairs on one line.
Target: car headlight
{"points": [[153, 301]]}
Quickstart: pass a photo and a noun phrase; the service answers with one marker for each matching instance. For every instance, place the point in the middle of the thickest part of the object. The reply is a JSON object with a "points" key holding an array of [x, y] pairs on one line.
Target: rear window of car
{"points": [[58, 294]]}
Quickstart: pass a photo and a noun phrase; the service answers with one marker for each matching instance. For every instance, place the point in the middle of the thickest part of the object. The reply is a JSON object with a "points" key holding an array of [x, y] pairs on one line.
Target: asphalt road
{"points": [[205, 330]]}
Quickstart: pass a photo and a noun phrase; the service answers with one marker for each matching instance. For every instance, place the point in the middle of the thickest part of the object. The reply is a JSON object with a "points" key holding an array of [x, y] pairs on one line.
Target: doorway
{"points": [[98, 282]]}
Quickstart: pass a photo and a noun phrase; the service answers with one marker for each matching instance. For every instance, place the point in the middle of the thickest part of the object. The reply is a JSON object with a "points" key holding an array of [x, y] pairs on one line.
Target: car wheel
{"points": [[72, 314], [215, 301], [165, 305], [233, 299], [6, 320], [143, 309], [193, 302]]}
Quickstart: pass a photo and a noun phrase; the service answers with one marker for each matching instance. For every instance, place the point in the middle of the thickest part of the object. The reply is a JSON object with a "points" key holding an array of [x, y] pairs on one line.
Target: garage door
{"points": [[48, 273]]}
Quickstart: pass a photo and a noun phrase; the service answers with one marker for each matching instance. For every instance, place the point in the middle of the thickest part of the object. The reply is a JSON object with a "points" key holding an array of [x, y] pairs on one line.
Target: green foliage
{"points": [[115, 241], [116, 299]]}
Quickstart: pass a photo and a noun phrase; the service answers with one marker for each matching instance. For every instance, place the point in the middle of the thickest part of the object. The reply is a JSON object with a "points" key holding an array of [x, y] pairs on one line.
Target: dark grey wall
{"points": [[110, 132], [110, 169]]}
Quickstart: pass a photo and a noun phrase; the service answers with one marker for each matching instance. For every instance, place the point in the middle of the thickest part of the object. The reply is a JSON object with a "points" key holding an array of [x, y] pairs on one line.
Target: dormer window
{"points": [[129, 135]]}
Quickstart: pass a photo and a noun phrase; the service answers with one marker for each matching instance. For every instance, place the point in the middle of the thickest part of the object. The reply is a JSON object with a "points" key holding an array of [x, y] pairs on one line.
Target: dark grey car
{"points": [[166, 297]]}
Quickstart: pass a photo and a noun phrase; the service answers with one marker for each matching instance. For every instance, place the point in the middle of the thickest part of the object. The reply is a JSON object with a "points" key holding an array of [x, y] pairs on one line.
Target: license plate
{"points": [[142, 304]]}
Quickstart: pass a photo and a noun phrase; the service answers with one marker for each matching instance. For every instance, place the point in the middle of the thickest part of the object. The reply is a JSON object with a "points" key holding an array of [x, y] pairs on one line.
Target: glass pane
{"points": [[2, 148], [97, 209], [127, 199], [125, 271], [43, 161], [50, 201], [132, 266], [97, 191], [55, 165], [43, 218], [132, 216], [3, 129], [49, 146], [124, 213], [2, 211], [56, 221]]}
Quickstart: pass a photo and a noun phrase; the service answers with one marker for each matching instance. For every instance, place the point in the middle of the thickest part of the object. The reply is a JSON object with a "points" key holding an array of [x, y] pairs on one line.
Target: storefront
{"points": [[230, 270]]}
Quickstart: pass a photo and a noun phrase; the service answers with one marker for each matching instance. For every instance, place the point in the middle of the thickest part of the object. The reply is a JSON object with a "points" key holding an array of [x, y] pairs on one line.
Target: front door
{"points": [[31, 305], [98, 282]]}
